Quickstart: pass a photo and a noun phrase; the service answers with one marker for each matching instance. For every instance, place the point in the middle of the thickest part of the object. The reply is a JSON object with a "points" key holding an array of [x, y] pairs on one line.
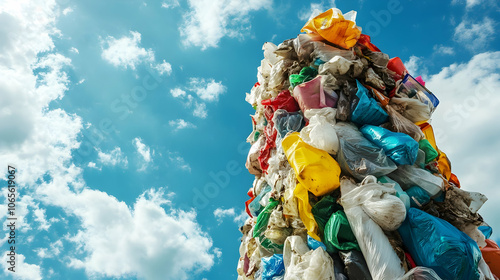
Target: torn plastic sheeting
{"points": [[399, 147], [338, 234], [380, 257], [285, 122], [320, 132], [310, 95], [284, 100], [315, 169], [367, 111], [334, 27], [436, 244], [360, 157]]}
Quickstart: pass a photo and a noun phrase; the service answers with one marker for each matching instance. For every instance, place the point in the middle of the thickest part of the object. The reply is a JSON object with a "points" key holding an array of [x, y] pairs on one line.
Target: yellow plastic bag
{"points": [[305, 211], [315, 169], [335, 28], [444, 164]]}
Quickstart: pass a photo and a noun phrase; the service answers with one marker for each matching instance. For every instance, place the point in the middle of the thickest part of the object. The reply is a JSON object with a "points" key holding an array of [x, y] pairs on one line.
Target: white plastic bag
{"points": [[304, 264], [320, 133], [412, 109], [252, 163], [382, 260], [421, 273], [409, 175], [339, 65]]}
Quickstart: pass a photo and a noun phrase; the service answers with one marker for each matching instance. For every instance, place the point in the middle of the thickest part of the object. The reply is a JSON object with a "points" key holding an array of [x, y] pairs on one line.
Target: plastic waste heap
{"points": [[349, 180]]}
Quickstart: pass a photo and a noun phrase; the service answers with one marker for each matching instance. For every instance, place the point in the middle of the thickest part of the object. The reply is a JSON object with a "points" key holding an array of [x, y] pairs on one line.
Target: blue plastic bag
{"points": [[399, 147], [255, 207], [272, 266], [367, 110], [418, 196], [436, 244], [314, 244], [486, 230]]}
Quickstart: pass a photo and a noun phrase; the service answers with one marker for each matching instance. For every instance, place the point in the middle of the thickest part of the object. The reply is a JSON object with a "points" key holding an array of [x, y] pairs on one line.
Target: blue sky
{"points": [[126, 121]]}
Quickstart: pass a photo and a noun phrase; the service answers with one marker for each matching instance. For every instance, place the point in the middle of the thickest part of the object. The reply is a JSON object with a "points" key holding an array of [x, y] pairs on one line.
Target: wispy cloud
{"points": [[144, 151], [113, 158], [440, 49], [125, 52], [221, 214], [178, 161], [315, 9], [208, 21], [475, 35], [179, 124]]}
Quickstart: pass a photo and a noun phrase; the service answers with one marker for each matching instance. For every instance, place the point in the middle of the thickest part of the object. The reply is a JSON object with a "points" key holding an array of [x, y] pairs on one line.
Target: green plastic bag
{"points": [[306, 74], [323, 210], [430, 152], [338, 234], [261, 226]]}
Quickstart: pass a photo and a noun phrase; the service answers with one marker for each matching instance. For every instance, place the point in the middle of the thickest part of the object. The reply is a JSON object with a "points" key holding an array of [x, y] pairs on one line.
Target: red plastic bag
{"points": [[491, 255], [365, 40], [252, 197], [284, 101]]}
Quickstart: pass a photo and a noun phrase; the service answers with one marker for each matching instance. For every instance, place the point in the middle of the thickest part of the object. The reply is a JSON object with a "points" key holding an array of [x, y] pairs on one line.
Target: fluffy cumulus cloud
{"points": [[113, 158], [202, 90], [24, 270], [126, 52], [149, 240], [475, 35], [208, 21], [466, 122], [179, 124], [207, 89]]}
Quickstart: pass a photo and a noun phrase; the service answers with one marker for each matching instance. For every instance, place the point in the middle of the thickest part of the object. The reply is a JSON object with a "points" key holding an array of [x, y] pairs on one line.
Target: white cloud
{"points": [[120, 240], [179, 124], [315, 9], [170, 4], [200, 110], [163, 68], [80, 82], [53, 251], [178, 161], [125, 52], [113, 158], [177, 92], [92, 164], [221, 214], [40, 218], [208, 21], [74, 50], [414, 65], [144, 151], [23, 270], [67, 10], [440, 49], [207, 89], [475, 36], [466, 122]]}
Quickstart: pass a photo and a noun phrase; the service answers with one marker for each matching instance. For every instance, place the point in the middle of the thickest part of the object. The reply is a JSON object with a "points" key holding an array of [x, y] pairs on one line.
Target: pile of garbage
{"points": [[349, 182]]}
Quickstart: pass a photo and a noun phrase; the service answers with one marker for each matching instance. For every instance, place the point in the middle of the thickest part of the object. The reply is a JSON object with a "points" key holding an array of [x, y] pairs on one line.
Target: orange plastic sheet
{"points": [[334, 27], [491, 255]]}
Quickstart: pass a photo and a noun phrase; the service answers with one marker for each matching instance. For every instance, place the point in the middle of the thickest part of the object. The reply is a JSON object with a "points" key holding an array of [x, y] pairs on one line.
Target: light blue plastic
{"points": [[367, 110], [399, 191], [436, 244], [272, 266], [486, 230], [418, 196], [314, 244], [399, 147], [255, 207], [285, 122]]}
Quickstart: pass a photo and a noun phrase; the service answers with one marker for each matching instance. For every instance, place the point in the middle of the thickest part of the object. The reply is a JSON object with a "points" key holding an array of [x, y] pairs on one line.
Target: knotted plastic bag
{"points": [[315, 169], [334, 27], [320, 132], [436, 244], [399, 147], [382, 260]]}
